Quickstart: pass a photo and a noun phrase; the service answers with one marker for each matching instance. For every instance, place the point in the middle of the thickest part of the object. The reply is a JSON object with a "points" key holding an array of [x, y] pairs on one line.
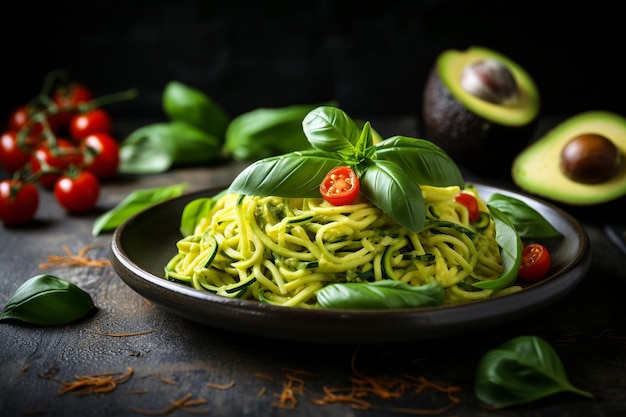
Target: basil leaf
{"points": [[191, 106], [385, 294], [391, 189], [510, 250], [47, 300], [296, 174], [158, 147], [267, 132], [528, 222], [195, 211], [519, 371], [422, 160], [135, 202], [330, 129]]}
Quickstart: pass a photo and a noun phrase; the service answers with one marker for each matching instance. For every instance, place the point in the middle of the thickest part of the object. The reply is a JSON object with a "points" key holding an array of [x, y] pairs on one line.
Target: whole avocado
{"points": [[480, 107], [578, 162]]}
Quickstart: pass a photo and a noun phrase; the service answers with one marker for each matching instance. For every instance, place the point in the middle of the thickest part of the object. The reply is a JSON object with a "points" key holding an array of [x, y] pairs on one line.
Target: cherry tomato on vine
{"points": [[102, 155], [50, 162], [18, 202], [535, 263], [469, 201], [340, 186], [21, 116], [93, 121], [68, 97], [12, 155], [77, 192]]}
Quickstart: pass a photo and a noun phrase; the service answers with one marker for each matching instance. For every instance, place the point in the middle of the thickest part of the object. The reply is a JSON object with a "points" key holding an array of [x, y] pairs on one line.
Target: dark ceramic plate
{"points": [[142, 246]]}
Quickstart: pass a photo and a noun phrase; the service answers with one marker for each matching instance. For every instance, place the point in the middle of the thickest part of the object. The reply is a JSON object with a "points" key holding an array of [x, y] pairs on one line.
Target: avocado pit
{"points": [[490, 80], [590, 159]]}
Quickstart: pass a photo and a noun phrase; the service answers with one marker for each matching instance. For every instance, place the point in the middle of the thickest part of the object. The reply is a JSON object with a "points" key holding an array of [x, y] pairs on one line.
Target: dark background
{"points": [[373, 57]]}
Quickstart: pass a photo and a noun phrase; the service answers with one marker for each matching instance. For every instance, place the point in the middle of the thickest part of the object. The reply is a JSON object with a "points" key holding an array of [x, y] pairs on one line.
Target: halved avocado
{"points": [[480, 134], [537, 169]]}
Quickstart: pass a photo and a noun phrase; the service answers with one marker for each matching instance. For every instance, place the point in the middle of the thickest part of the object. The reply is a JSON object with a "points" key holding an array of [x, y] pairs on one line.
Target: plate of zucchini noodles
{"points": [[304, 271]]}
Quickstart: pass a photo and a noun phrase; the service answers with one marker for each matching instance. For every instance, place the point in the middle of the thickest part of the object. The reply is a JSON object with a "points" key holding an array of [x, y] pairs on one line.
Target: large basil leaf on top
{"points": [[296, 174], [330, 129], [47, 300], [189, 105], [385, 294], [391, 189], [521, 370], [528, 221], [158, 147], [510, 250], [424, 161]]}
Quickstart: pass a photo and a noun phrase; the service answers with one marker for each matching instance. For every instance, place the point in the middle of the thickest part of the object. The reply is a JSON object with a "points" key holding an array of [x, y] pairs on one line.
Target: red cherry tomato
{"points": [[535, 262], [50, 163], [18, 202], [340, 186], [77, 192], [20, 117], [67, 98], [92, 121], [12, 155], [102, 155], [469, 201]]}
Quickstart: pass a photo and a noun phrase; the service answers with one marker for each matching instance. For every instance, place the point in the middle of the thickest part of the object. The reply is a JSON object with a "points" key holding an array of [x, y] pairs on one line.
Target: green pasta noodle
{"points": [[282, 250]]}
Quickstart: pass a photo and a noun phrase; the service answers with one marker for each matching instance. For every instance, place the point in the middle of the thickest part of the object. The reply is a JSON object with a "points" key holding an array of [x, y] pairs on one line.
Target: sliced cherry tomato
{"points": [[469, 201], [92, 121], [340, 186], [50, 163], [535, 262], [77, 192], [102, 155], [18, 202], [12, 155]]}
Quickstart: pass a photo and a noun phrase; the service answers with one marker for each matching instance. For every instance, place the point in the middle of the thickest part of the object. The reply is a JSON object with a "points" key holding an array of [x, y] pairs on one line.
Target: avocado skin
{"points": [[473, 142]]}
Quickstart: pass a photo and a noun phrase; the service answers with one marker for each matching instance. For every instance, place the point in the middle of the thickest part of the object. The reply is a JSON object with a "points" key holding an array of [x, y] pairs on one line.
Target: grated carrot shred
{"points": [[218, 386], [287, 399], [386, 387], [78, 259], [95, 383], [185, 404]]}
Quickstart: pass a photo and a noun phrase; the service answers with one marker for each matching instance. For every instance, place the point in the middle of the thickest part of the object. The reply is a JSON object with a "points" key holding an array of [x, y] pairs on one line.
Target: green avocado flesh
{"points": [[537, 168], [450, 65]]}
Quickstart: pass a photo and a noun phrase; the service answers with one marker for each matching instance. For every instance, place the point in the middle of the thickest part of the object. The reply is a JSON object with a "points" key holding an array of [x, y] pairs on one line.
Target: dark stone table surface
{"points": [[173, 358]]}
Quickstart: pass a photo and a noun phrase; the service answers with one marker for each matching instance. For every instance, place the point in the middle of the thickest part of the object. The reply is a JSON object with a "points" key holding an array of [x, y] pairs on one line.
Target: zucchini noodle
{"points": [[282, 250]]}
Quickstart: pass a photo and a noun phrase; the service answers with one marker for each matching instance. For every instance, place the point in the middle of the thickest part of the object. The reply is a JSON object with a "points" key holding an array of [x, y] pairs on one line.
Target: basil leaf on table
{"points": [[157, 147], [47, 300], [521, 370], [385, 294], [186, 104], [135, 202], [528, 221], [267, 132]]}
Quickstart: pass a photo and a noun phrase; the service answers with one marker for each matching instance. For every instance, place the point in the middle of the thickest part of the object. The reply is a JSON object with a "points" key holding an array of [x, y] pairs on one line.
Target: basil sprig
{"points": [[521, 370], [390, 171], [194, 134], [47, 300]]}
